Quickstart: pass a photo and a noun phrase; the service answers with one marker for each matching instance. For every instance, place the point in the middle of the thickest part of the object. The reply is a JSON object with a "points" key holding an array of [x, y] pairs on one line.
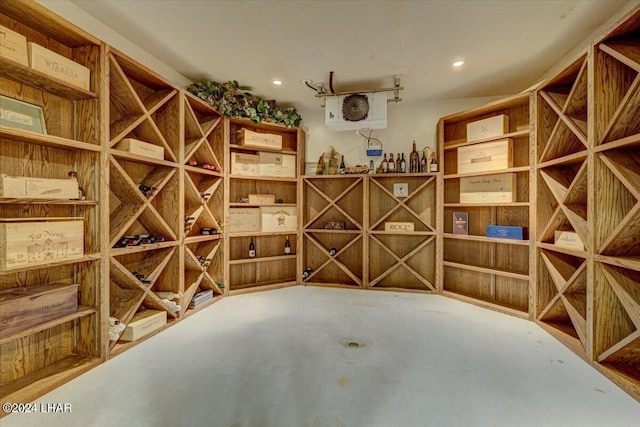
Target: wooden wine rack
{"points": [[143, 106]]}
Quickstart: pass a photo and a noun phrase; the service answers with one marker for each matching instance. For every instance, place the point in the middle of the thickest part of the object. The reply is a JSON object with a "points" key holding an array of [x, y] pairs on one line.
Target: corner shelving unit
{"points": [[337, 198], [205, 132], [270, 268], [615, 197], [494, 273], [143, 106], [402, 260], [46, 355]]}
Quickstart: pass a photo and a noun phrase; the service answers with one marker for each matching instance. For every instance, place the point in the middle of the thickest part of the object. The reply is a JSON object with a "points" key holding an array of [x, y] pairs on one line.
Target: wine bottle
{"points": [[370, 166], [333, 251], [403, 165], [385, 164], [398, 163], [342, 169], [307, 272], [252, 249], [287, 247], [433, 167], [423, 163], [414, 160], [392, 165]]}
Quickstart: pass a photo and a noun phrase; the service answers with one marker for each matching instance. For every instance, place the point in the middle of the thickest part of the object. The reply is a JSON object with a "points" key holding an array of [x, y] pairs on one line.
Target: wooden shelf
{"points": [[272, 150], [254, 205], [141, 159], [85, 258], [408, 233], [27, 75], [486, 304], [630, 263], [48, 202], [45, 140], [498, 205], [262, 178], [493, 172], [567, 160], [202, 238], [486, 270], [555, 248], [82, 311], [322, 230], [291, 257], [513, 135], [193, 169], [486, 239], [142, 248], [262, 233]]}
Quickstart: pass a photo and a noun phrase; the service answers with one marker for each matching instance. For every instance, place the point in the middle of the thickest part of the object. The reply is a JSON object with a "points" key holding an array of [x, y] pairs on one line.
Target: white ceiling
{"points": [[507, 44]]}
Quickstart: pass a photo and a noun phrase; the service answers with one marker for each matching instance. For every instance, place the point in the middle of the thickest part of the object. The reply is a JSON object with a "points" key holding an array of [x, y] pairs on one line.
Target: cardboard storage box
{"points": [[39, 241], [276, 218], [22, 308], [500, 188], [260, 140], [13, 46], [144, 323], [277, 165], [569, 240], [20, 187], [506, 232], [262, 199], [245, 164], [244, 220], [488, 156], [488, 128], [141, 148], [398, 227], [58, 66]]}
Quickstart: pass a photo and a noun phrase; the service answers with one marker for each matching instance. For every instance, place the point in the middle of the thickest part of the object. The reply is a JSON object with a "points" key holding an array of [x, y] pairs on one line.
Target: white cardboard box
{"points": [[58, 66], [488, 128], [569, 240], [277, 165], [487, 156], [260, 140], [244, 220], [144, 323], [13, 46], [141, 148], [278, 218], [243, 164], [500, 188], [21, 187], [39, 241]]}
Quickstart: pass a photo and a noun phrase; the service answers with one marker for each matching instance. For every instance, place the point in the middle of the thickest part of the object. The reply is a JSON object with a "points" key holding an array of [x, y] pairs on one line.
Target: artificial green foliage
{"points": [[234, 100]]}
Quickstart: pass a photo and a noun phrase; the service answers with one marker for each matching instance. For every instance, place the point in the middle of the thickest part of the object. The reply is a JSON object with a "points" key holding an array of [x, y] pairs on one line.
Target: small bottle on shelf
{"points": [[333, 251], [371, 167], [385, 164], [391, 168], [287, 247], [403, 165], [414, 160], [433, 167], [398, 163], [342, 169], [252, 249], [423, 163]]}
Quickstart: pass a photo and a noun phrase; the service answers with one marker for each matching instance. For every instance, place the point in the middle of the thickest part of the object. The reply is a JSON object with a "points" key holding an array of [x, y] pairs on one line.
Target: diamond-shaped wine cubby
{"points": [[203, 271], [204, 138]]}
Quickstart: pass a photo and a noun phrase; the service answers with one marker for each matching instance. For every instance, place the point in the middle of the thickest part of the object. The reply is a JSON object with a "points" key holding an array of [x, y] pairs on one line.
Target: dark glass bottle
{"points": [[414, 160], [252, 249], [287, 247]]}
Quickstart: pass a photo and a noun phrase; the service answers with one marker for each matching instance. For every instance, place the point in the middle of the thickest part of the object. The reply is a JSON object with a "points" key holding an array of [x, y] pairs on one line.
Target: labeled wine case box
{"points": [[488, 128], [13, 46], [399, 227], [141, 148], [277, 165], [278, 218], [39, 241], [461, 223], [262, 199], [568, 240], [506, 232], [58, 66], [245, 164], [487, 156], [244, 220], [144, 323], [22, 308], [500, 188], [260, 140], [20, 187]]}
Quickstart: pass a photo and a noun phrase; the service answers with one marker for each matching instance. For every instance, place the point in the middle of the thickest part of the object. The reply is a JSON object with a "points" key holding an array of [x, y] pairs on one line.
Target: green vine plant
{"points": [[234, 100]]}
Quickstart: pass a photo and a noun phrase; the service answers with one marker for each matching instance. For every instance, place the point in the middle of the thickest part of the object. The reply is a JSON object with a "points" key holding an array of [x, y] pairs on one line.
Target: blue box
{"points": [[506, 232]]}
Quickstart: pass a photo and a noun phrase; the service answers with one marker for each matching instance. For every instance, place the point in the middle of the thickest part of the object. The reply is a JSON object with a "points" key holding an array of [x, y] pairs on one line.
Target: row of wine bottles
{"points": [[252, 248], [416, 164]]}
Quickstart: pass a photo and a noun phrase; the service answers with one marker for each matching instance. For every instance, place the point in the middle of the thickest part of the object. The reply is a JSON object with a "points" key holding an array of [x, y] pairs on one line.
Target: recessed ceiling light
{"points": [[458, 64], [277, 82]]}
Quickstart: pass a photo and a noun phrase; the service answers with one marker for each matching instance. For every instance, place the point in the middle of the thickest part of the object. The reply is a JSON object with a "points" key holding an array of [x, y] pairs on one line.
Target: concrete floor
{"points": [[318, 357]]}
